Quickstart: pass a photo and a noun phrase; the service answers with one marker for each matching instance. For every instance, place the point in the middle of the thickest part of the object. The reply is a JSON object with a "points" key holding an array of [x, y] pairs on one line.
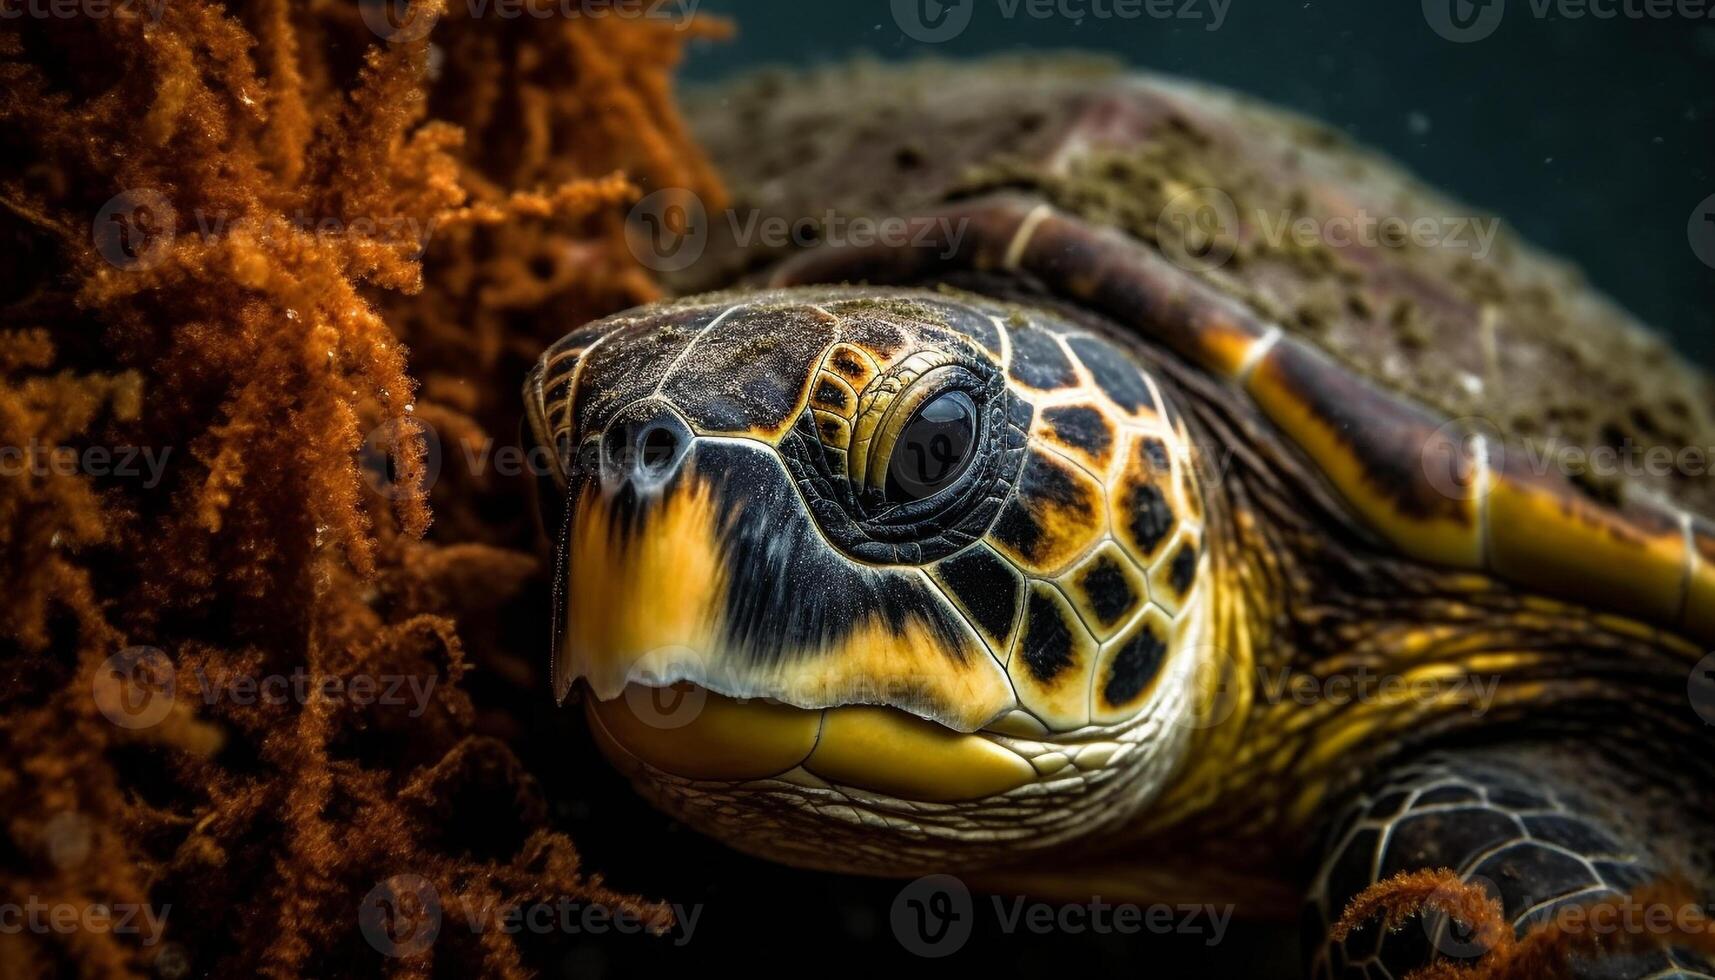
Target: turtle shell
{"points": [[1476, 404]]}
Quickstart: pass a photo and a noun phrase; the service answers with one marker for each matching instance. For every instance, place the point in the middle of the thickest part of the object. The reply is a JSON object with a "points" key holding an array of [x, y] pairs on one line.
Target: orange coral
{"points": [[219, 224], [1545, 951]]}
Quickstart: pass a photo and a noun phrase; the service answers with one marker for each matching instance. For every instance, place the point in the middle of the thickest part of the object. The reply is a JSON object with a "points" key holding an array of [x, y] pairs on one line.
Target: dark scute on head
{"points": [[1038, 361], [986, 586], [831, 432], [788, 593], [1151, 519], [1155, 451], [846, 364], [1044, 486], [628, 362], [832, 397], [1047, 646], [1184, 569], [1080, 427], [1134, 667], [971, 324], [1108, 590], [751, 372], [1115, 372], [864, 325]]}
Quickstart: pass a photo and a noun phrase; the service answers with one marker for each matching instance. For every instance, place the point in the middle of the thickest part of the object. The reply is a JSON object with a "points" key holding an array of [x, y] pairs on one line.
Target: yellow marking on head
{"points": [[650, 596], [851, 364], [911, 668]]}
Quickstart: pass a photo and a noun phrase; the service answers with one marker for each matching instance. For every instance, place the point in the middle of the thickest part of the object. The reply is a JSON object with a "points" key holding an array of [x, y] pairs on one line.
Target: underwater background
{"points": [[1592, 136]]}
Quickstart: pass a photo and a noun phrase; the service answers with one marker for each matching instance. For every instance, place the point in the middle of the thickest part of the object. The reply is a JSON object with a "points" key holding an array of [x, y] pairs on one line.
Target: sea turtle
{"points": [[1054, 520]]}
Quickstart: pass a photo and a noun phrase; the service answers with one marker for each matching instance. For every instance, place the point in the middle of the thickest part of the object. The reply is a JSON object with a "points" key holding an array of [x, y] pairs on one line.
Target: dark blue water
{"points": [[1592, 136]]}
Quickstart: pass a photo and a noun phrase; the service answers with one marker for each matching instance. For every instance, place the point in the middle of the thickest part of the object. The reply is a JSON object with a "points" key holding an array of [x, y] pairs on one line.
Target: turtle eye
{"points": [[934, 448]]}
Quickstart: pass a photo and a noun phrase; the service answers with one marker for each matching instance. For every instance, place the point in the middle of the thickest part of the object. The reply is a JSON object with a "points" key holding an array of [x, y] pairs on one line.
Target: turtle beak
{"points": [[694, 733], [655, 550], [697, 561]]}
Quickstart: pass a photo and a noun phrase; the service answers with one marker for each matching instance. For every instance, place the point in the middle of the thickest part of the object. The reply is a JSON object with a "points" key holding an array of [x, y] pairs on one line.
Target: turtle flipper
{"points": [[1543, 828]]}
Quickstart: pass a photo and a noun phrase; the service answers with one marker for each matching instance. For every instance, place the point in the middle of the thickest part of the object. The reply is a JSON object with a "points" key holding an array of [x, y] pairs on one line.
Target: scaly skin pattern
{"points": [[1068, 620]]}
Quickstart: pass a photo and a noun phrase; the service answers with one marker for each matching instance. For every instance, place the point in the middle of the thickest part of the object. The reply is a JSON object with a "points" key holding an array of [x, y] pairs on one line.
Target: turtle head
{"points": [[873, 581]]}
